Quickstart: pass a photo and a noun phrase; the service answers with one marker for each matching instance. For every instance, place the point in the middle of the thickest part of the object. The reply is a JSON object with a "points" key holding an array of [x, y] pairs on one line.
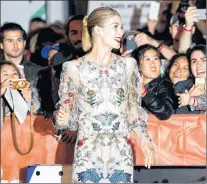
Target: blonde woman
{"points": [[100, 96]]}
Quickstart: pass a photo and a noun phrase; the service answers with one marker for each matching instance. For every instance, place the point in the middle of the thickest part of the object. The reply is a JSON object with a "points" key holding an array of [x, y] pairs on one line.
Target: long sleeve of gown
{"points": [[136, 114], [68, 95]]}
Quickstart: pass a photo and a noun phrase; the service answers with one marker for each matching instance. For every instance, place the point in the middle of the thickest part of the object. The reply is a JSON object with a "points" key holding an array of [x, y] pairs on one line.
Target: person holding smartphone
{"points": [[194, 27], [179, 73], [196, 97]]}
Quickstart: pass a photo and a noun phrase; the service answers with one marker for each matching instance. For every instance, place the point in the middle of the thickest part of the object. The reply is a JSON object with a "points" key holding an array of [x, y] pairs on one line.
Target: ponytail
{"points": [[86, 39]]}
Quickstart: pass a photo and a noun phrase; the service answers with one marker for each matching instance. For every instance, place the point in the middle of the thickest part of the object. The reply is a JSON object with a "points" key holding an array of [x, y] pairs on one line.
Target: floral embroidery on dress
{"points": [[91, 97], [104, 100], [120, 96]]}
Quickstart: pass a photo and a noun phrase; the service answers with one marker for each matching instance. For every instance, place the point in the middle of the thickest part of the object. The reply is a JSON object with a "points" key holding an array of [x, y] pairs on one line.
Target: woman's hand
{"points": [[143, 39], [62, 114], [4, 85], [146, 146], [184, 98], [191, 17], [27, 93], [148, 150]]}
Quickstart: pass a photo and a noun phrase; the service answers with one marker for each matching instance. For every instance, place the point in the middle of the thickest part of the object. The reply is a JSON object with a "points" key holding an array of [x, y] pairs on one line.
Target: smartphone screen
{"points": [[154, 10], [131, 44], [200, 83], [202, 14]]}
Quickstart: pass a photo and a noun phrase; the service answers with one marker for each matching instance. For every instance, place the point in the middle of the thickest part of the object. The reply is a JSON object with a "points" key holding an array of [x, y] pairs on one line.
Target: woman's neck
{"points": [[101, 55], [146, 81]]}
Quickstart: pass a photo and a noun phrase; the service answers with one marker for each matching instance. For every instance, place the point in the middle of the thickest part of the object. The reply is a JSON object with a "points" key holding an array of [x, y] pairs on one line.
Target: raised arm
{"points": [[188, 30], [143, 39], [66, 114]]}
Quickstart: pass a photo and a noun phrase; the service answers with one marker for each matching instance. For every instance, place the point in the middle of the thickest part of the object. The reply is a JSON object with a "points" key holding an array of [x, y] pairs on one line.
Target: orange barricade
{"points": [[180, 141]]}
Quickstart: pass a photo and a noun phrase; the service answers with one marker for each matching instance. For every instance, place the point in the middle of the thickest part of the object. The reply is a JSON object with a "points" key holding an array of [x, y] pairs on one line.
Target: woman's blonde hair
{"points": [[96, 18]]}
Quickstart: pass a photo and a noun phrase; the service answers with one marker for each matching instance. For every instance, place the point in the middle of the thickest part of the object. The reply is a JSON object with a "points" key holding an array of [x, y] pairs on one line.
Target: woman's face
{"points": [[150, 65], [112, 32], [198, 64], [179, 70], [8, 72]]}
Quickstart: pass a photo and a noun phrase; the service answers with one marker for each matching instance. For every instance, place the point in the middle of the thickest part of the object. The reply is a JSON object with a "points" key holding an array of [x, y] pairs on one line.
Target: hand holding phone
{"points": [[20, 84]]}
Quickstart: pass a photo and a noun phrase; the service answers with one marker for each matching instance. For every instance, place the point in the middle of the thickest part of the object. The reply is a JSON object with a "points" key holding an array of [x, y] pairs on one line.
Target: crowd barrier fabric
{"points": [[179, 141]]}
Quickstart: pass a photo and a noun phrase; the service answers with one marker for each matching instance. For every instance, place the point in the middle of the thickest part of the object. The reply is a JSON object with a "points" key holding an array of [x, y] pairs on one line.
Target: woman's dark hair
{"points": [[138, 53], [199, 47], [173, 59], [5, 62]]}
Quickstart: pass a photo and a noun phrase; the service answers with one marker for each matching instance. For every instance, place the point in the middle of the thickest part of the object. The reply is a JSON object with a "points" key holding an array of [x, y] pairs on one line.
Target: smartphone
{"points": [[200, 83], [202, 14], [154, 10], [130, 43], [19, 84]]}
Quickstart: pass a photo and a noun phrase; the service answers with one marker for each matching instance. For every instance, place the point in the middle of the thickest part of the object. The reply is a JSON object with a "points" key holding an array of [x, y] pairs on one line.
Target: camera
{"points": [[19, 84]]}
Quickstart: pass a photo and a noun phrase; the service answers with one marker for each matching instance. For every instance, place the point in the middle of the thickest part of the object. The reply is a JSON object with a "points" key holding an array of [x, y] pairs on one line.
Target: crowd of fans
{"points": [[171, 54]]}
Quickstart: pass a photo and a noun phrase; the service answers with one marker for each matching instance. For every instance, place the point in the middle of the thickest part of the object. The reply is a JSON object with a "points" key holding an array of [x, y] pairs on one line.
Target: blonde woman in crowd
{"points": [[100, 96]]}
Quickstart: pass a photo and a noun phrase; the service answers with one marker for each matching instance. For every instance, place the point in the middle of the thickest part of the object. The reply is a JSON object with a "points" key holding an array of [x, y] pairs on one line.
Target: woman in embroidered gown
{"points": [[100, 96]]}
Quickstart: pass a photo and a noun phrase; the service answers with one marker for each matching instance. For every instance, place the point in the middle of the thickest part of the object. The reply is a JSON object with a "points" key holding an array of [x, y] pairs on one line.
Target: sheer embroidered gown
{"points": [[104, 107]]}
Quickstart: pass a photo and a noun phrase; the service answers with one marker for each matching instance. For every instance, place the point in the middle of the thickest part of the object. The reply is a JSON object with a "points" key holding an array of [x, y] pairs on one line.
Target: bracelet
{"points": [[145, 92], [188, 30], [194, 101], [159, 44], [160, 47]]}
